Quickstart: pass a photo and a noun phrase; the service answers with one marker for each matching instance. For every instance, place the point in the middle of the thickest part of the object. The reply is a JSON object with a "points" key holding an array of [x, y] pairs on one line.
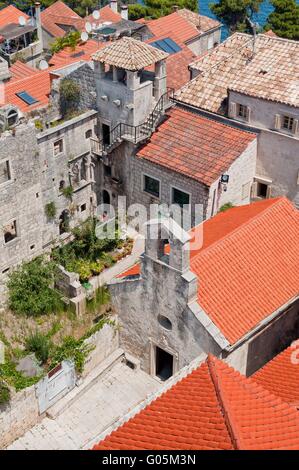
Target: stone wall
{"points": [[105, 341], [20, 415]]}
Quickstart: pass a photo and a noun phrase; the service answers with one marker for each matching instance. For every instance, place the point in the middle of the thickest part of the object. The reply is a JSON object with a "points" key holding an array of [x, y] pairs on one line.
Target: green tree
{"points": [[284, 20], [158, 8], [233, 13], [30, 288]]}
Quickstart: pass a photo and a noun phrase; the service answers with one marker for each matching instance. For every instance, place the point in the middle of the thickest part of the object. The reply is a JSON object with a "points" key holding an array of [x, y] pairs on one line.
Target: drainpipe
{"points": [[39, 24]]}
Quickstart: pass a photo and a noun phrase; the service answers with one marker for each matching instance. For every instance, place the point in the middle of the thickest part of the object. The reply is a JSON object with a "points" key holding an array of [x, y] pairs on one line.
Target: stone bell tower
{"points": [[130, 80]]}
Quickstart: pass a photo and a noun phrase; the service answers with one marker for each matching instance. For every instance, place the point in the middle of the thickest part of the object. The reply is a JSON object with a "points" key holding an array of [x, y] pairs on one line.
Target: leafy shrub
{"points": [[50, 210], [225, 207], [15, 378], [4, 393], [40, 345], [69, 96], [69, 40], [30, 288], [68, 192], [71, 349]]}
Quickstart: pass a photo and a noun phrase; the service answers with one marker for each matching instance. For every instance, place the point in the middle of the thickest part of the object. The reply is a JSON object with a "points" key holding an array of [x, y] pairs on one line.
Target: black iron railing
{"points": [[134, 133]]}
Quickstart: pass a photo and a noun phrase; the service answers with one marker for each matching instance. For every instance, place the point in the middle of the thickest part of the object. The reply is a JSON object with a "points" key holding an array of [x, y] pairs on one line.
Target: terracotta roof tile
{"points": [[195, 146], [281, 375], [184, 24], [130, 54], [59, 14], [272, 74], [214, 407], [19, 70], [106, 14], [10, 15], [69, 56], [37, 85], [248, 265]]}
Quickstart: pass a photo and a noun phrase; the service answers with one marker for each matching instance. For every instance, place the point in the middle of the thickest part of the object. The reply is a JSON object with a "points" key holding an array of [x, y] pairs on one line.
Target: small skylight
{"points": [[28, 99], [166, 45], [78, 54]]}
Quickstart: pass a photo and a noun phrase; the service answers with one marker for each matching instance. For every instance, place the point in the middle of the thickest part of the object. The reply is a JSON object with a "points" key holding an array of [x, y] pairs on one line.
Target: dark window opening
{"points": [[64, 222], [58, 147], [4, 172], [61, 185], [164, 364], [106, 134], [83, 207], [180, 198], [106, 197], [32, 247], [151, 186], [107, 170], [262, 190], [165, 322], [88, 134], [28, 99], [10, 231], [288, 123], [5, 270]]}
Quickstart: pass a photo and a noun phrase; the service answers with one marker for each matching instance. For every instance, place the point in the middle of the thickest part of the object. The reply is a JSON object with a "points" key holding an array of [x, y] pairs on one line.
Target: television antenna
{"points": [[96, 14], [84, 37], [43, 65], [88, 27]]}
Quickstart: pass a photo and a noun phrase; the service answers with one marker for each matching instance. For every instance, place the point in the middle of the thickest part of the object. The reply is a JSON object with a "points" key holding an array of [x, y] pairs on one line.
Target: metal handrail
{"points": [[137, 133]]}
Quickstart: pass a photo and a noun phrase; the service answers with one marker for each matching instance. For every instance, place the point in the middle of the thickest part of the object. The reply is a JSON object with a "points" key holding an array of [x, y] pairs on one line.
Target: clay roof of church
{"points": [[214, 407]]}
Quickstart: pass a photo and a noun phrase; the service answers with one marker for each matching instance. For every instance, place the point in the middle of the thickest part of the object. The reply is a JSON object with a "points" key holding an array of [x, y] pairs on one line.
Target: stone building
{"points": [[225, 288], [254, 81]]}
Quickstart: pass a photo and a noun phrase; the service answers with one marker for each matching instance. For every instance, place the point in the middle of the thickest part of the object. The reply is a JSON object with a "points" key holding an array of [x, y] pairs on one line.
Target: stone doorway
{"points": [[164, 364]]}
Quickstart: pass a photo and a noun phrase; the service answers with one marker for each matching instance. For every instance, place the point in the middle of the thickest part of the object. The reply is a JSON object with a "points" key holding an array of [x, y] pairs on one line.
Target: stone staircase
{"points": [[134, 134]]}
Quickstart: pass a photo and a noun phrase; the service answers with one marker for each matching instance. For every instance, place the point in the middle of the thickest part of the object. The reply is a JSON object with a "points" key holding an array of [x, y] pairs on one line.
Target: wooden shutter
{"points": [[296, 126], [277, 121], [232, 110], [253, 190], [248, 114], [269, 191]]}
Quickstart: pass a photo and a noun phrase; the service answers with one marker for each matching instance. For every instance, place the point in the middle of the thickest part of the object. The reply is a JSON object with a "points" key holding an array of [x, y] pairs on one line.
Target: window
{"points": [[288, 123], [107, 170], [83, 207], [262, 190], [28, 99], [151, 186], [58, 147], [4, 172], [179, 197], [88, 134], [10, 231], [243, 111], [165, 322]]}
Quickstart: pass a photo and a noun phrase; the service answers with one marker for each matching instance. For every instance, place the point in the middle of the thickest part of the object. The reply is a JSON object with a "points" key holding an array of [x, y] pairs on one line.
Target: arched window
{"points": [[165, 322]]}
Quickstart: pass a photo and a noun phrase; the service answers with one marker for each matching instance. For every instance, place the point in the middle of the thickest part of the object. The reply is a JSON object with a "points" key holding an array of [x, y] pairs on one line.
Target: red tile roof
{"points": [[59, 14], [106, 14], [70, 56], [195, 146], [19, 70], [248, 265], [177, 65], [214, 407], [37, 85], [173, 24], [281, 375], [10, 15]]}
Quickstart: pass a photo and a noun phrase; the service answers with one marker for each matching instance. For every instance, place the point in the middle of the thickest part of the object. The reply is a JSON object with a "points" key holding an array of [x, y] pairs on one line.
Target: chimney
{"points": [[113, 5], [124, 12], [175, 8], [38, 23]]}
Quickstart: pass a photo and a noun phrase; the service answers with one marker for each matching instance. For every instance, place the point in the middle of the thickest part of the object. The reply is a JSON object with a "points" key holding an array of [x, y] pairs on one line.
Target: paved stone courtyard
{"points": [[111, 396]]}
